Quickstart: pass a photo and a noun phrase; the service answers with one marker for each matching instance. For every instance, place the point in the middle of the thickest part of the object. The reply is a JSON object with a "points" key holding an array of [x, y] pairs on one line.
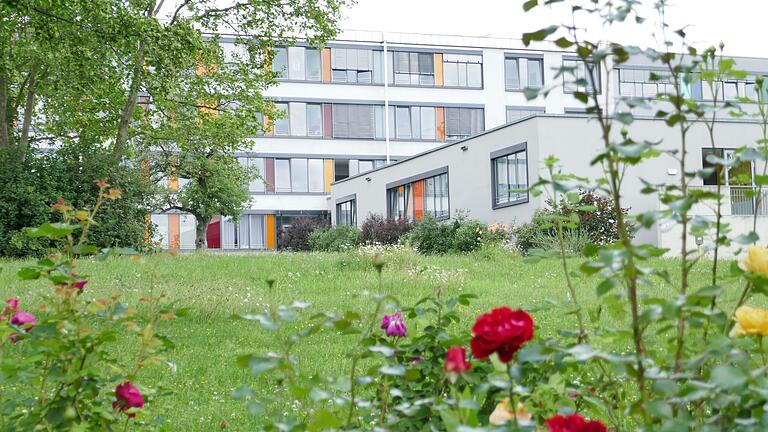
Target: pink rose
{"points": [[394, 325], [80, 284], [128, 396]]}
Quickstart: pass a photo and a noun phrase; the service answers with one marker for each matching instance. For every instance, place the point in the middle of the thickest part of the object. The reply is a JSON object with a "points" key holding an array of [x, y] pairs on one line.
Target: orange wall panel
{"points": [[440, 123], [268, 131], [271, 235], [418, 199], [325, 60], [174, 239], [328, 175], [173, 184], [438, 69]]}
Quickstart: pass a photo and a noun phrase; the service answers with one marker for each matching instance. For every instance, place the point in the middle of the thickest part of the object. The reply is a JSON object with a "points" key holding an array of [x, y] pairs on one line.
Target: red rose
{"points": [[455, 360], [574, 423], [128, 396], [501, 331]]}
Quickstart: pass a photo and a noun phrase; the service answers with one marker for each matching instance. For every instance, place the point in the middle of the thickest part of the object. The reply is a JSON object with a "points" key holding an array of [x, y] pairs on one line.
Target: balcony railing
{"points": [[747, 201]]}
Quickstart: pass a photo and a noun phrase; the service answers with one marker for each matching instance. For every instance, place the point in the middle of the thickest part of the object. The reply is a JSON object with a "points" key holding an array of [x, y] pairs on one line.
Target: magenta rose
{"points": [[574, 423], [394, 325], [128, 396]]}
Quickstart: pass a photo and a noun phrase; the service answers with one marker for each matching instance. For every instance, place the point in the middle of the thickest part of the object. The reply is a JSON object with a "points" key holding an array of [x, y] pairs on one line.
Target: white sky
{"points": [[741, 24]]}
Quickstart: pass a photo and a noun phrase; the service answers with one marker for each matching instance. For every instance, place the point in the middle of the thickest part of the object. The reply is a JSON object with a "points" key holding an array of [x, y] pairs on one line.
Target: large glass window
{"points": [[299, 175], [412, 68], [577, 79], [282, 125], [187, 231], [256, 167], [297, 63], [160, 234], [280, 62], [518, 113], [282, 175], [346, 213], [644, 83], [353, 121], [521, 72], [510, 174], [462, 70], [316, 176], [314, 120], [463, 122], [247, 233], [352, 65], [424, 197]]}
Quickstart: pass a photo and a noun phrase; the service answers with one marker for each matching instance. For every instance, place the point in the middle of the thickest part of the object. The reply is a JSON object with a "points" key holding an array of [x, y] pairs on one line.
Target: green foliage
{"points": [[296, 236], [60, 361], [336, 239], [31, 185], [432, 237], [584, 218]]}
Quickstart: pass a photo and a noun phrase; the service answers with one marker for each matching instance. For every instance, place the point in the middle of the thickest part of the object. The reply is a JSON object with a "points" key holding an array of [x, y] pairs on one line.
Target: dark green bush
{"points": [[295, 237], [336, 239], [377, 229], [467, 235], [430, 236], [31, 184]]}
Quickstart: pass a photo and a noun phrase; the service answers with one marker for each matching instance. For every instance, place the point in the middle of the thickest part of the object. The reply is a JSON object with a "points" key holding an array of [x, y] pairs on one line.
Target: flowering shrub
{"points": [[657, 352], [295, 237], [60, 360], [430, 236]]}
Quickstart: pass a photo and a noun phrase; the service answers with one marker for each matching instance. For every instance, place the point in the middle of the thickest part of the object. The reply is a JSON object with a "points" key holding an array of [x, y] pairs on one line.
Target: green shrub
{"points": [[467, 235], [336, 239], [431, 237], [590, 219], [295, 237]]}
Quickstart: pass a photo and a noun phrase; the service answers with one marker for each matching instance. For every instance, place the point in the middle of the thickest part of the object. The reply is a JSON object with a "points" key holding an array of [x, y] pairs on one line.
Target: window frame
{"points": [[408, 184], [575, 77], [504, 153], [352, 200], [522, 80], [465, 72]]}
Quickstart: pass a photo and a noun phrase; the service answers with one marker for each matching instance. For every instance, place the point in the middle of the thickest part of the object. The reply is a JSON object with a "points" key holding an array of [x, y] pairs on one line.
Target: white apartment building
{"points": [[369, 98]]}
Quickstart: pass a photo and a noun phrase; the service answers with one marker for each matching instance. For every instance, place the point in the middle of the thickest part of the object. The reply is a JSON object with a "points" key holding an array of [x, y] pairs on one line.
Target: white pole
{"points": [[385, 60]]}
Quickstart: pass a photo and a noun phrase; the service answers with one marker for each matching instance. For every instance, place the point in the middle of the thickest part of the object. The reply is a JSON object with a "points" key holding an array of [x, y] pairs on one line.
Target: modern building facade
{"points": [[368, 99], [486, 176]]}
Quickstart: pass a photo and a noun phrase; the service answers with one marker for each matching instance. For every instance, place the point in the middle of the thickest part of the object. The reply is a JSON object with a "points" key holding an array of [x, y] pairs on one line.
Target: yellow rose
{"points": [[750, 321], [502, 414], [756, 261]]}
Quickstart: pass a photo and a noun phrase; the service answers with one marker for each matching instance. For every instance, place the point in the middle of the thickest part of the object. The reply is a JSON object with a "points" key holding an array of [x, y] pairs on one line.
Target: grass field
{"points": [[215, 286]]}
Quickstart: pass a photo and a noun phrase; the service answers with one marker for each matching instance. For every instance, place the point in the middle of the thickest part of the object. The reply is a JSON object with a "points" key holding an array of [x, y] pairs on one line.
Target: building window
{"points": [[521, 72], [346, 213], [351, 65], [344, 168], [577, 79], [160, 233], [644, 83], [740, 174], [462, 70], [510, 174], [353, 121], [249, 232], [297, 64], [299, 175], [282, 125], [255, 165], [414, 68], [299, 119], [463, 122], [424, 197], [280, 62], [518, 113]]}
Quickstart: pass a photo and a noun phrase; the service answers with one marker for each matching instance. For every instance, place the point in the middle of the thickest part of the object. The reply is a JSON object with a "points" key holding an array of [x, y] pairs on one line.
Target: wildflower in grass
{"points": [[394, 325], [750, 321], [756, 261], [574, 423], [455, 360], [502, 414], [503, 331], [128, 396], [80, 284]]}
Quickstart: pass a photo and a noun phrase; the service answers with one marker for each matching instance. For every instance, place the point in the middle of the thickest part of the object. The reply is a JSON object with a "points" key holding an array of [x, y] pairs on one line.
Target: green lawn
{"points": [[214, 286]]}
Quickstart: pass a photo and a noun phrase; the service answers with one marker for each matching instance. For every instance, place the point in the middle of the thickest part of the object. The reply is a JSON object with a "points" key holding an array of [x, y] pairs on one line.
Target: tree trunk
{"points": [[29, 107], [201, 231], [3, 111], [130, 105]]}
